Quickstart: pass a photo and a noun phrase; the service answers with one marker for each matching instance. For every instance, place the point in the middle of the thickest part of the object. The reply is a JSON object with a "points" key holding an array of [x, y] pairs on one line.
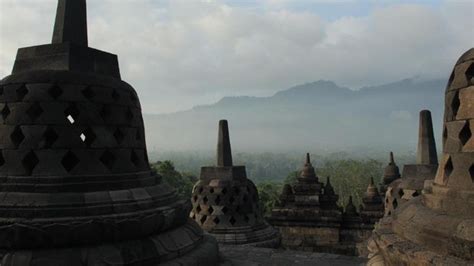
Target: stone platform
{"points": [[251, 256]]}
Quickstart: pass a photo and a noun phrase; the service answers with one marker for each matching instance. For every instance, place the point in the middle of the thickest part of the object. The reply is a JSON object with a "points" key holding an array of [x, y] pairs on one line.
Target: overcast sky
{"points": [[182, 53]]}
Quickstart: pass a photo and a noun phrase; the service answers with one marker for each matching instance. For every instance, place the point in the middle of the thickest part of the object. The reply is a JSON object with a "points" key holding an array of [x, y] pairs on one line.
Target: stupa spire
{"points": [[426, 153], [308, 159], [224, 153], [392, 160], [71, 22]]}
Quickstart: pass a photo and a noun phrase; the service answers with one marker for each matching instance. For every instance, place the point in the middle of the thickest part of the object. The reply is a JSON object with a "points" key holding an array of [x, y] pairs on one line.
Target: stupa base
{"points": [[186, 245]]}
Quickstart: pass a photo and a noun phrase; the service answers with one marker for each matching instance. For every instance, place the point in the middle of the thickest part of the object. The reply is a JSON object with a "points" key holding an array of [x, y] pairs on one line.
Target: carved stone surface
{"points": [[75, 183], [310, 219], [226, 204], [438, 228]]}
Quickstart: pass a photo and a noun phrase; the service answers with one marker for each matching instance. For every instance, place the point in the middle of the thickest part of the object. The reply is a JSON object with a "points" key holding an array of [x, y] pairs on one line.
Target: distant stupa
{"points": [[75, 184], [226, 203], [411, 183]]}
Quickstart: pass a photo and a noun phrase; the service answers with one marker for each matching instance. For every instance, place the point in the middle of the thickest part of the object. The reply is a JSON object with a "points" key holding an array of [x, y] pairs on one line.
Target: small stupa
{"points": [[411, 183], [226, 204]]}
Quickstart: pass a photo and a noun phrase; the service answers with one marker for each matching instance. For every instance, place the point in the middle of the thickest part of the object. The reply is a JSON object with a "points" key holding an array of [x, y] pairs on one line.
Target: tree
{"points": [[269, 193], [182, 183]]}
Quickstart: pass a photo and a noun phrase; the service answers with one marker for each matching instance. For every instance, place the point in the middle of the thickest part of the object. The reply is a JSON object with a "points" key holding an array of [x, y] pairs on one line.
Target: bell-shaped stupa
{"points": [[75, 184], [226, 204]]}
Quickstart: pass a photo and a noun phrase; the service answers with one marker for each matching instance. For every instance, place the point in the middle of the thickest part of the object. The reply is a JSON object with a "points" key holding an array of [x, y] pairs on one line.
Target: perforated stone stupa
{"points": [[438, 227], [411, 183], [75, 184], [226, 204]]}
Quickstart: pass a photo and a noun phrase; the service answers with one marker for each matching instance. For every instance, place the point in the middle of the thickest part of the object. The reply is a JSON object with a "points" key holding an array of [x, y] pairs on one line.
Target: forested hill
{"points": [[319, 116]]}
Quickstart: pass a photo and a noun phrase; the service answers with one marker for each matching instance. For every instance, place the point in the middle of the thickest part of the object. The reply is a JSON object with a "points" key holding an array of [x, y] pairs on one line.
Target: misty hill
{"points": [[318, 117]]}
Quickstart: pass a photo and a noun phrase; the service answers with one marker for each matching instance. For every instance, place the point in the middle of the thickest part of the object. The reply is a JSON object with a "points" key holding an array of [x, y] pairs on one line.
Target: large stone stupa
{"points": [[75, 184], [437, 228], [226, 203]]}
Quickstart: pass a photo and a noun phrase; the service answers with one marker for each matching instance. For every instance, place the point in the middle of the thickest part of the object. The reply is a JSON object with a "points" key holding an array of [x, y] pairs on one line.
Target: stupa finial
{"points": [[392, 160], [224, 153], [308, 158], [71, 22], [426, 153]]}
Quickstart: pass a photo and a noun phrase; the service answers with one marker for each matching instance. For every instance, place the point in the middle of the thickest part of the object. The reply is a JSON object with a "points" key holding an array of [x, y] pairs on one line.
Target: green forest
{"points": [[349, 176]]}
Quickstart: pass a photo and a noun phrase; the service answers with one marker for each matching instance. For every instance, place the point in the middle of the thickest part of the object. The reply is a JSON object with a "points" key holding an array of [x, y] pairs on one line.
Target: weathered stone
{"points": [[437, 228], [225, 202], [76, 185]]}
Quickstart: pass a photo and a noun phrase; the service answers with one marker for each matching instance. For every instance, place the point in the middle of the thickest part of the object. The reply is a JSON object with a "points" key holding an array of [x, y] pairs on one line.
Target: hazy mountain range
{"points": [[318, 117]]}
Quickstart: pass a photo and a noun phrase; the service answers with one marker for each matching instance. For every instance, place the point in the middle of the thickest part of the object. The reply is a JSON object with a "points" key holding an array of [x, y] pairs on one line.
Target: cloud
{"points": [[178, 53]]}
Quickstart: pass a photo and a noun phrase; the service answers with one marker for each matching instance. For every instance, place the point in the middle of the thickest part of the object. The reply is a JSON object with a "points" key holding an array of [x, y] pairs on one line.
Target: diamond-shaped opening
{"points": [[471, 172], [198, 209], [104, 112], [395, 203], [211, 190], [195, 198], [205, 199], [389, 213], [415, 194], [216, 220], [455, 103], [448, 168], [69, 161], [119, 136], [50, 136], [2, 159], [193, 216], [88, 92], [34, 111], [72, 113], [445, 135], [386, 200], [115, 95], [108, 159], [210, 210], [55, 91], [134, 158], [5, 112], [203, 219], [88, 136], [17, 136], [465, 133], [470, 72], [21, 92], [401, 192], [450, 81], [129, 114], [224, 191], [232, 220], [217, 200], [200, 190], [225, 210], [29, 162]]}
